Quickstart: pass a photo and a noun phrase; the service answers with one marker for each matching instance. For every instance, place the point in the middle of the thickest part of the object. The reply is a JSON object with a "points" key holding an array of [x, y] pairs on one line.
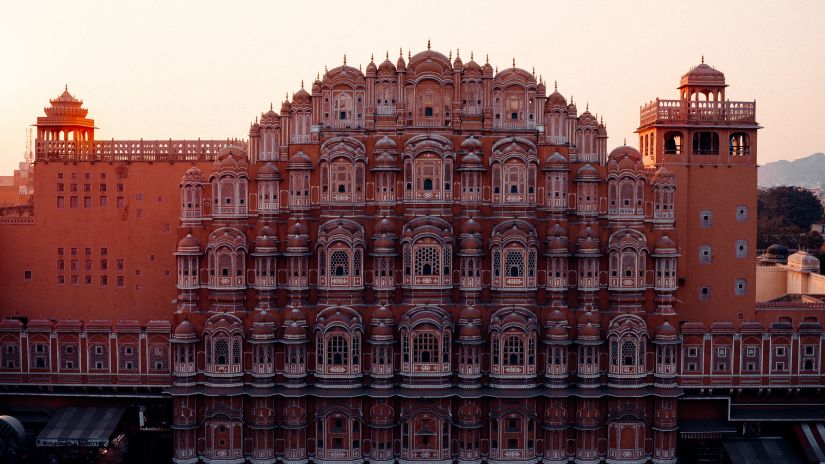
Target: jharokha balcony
{"points": [[681, 111]]}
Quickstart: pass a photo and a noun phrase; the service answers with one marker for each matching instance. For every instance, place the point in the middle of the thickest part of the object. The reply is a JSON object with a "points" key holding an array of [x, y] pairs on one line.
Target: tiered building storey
{"points": [[425, 262]]}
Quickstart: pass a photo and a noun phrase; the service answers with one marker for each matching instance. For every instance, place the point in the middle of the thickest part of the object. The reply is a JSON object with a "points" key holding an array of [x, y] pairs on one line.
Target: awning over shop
{"points": [[812, 437], [697, 429], [760, 451], [76, 426]]}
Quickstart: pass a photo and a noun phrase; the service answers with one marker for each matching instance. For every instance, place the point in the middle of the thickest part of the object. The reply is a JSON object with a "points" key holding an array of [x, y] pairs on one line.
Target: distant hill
{"points": [[804, 172]]}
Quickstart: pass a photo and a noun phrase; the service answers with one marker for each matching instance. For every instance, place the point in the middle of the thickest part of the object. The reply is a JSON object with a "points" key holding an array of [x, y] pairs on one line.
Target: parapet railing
{"points": [[674, 110], [132, 150]]}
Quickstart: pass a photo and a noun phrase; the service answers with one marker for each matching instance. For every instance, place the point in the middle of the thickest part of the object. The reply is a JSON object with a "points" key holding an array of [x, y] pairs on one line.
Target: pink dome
{"points": [[185, 330]]}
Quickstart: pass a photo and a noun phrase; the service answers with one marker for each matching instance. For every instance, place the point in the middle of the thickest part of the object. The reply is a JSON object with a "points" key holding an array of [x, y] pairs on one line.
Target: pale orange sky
{"points": [[165, 69]]}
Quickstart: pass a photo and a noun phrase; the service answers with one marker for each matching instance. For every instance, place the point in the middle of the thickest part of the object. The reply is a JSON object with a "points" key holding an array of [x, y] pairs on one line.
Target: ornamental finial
{"points": [[428, 44], [555, 85], [703, 58]]}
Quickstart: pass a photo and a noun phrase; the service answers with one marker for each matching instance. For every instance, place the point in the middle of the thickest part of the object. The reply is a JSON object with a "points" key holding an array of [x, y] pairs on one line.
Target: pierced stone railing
{"points": [[132, 150], [673, 110]]}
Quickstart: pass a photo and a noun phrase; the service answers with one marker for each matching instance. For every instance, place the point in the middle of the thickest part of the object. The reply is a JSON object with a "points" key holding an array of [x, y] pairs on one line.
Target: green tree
{"points": [[785, 215]]}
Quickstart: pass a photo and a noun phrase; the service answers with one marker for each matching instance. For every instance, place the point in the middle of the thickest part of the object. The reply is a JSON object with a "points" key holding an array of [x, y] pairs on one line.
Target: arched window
{"points": [[627, 335], [739, 144], [223, 345], [513, 335], [427, 247], [227, 258], [628, 260], [426, 343], [338, 337], [514, 249], [514, 164], [428, 169], [340, 249], [337, 350]]}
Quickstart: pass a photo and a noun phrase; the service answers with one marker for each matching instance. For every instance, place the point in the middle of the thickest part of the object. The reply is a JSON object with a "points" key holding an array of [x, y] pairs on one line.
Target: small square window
{"points": [[428, 111], [741, 249], [809, 350], [741, 287], [704, 293], [705, 254], [705, 218], [741, 213], [27, 275]]}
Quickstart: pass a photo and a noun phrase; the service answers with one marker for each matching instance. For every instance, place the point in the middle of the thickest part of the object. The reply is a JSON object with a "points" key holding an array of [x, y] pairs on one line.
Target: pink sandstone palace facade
{"points": [[427, 261]]}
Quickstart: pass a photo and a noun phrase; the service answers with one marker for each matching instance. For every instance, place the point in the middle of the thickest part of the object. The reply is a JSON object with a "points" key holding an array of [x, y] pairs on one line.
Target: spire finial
{"points": [[409, 55], [372, 58], [326, 70], [359, 66], [534, 71], [556, 85], [400, 52], [488, 58], [587, 106], [317, 76], [703, 58], [625, 141], [345, 59], [302, 83], [450, 57], [471, 55], [514, 62], [66, 87], [496, 69], [286, 96], [270, 107], [428, 44], [457, 51], [388, 54]]}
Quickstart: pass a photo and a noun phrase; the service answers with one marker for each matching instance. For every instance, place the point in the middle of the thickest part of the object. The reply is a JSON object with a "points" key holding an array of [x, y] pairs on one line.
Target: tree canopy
{"points": [[785, 215]]}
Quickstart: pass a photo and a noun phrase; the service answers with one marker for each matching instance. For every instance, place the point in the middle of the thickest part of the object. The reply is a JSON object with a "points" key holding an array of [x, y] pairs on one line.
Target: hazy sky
{"points": [[168, 69]]}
